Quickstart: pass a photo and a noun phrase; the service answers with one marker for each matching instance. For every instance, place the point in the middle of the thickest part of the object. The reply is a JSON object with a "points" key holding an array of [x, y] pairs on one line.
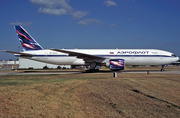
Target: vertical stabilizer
{"points": [[26, 40]]}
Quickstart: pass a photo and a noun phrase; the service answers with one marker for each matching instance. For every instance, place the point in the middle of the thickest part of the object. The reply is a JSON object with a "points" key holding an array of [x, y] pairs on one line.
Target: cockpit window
{"points": [[173, 55]]}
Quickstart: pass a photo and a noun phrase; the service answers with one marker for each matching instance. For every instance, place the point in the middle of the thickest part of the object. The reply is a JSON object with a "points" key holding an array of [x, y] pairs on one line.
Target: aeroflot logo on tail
{"points": [[132, 52]]}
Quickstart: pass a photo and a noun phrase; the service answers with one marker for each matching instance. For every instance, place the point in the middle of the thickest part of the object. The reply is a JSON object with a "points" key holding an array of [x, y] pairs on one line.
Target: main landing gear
{"points": [[94, 67]]}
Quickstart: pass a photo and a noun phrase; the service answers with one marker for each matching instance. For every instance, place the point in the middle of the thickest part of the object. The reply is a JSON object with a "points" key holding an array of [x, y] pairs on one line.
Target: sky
{"points": [[92, 24]]}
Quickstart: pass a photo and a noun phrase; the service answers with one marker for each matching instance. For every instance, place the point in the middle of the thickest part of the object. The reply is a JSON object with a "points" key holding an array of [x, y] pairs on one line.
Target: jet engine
{"points": [[115, 64]]}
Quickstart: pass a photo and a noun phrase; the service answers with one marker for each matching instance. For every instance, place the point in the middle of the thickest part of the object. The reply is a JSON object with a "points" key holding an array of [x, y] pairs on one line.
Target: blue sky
{"points": [[123, 24]]}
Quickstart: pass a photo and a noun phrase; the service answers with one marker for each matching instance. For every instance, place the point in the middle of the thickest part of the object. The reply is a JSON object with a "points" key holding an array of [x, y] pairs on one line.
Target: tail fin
{"points": [[27, 42]]}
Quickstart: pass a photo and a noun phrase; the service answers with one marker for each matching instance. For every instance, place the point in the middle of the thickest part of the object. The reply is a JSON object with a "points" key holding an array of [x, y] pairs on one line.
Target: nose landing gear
{"points": [[162, 69]]}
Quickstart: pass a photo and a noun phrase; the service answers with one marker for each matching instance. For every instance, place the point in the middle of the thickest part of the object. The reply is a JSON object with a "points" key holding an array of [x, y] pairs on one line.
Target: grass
{"points": [[90, 95], [38, 97], [31, 79], [133, 96]]}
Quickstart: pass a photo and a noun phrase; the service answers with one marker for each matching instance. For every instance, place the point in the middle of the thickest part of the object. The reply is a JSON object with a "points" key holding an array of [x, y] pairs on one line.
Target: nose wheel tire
{"points": [[162, 69]]}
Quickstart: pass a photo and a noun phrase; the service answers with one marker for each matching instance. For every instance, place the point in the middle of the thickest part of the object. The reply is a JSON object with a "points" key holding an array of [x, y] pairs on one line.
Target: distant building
{"points": [[9, 63], [30, 64]]}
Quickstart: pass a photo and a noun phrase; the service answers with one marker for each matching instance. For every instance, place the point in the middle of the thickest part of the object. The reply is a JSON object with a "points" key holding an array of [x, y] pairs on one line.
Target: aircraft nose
{"points": [[177, 58]]}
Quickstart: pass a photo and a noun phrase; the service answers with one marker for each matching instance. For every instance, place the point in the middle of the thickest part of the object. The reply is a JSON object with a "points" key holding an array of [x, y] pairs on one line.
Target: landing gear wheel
{"points": [[92, 70], [162, 69]]}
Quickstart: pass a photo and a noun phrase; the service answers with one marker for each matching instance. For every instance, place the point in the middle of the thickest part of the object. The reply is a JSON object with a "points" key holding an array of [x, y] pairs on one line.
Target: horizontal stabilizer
{"points": [[20, 53]]}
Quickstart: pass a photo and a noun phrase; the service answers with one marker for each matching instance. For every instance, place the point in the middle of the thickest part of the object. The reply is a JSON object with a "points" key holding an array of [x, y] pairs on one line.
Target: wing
{"points": [[20, 53], [81, 55]]}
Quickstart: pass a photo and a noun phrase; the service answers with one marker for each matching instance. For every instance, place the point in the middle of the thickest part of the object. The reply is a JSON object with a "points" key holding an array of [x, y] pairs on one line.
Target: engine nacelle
{"points": [[116, 64]]}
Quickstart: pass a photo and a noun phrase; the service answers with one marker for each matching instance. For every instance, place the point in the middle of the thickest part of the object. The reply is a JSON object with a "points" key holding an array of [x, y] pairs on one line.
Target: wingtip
{"points": [[4, 50]]}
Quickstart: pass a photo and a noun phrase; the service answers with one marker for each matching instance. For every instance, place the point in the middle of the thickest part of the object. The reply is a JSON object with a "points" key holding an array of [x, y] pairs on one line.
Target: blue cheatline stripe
{"points": [[50, 55], [105, 56]]}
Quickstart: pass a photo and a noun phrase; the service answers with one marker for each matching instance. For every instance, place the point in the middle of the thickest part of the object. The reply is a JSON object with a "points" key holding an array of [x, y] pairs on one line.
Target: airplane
{"points": [[115, 59]]}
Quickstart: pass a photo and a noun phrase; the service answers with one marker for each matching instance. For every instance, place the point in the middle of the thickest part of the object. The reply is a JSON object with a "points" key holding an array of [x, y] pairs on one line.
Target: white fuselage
{"points": [[131, 56]]}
